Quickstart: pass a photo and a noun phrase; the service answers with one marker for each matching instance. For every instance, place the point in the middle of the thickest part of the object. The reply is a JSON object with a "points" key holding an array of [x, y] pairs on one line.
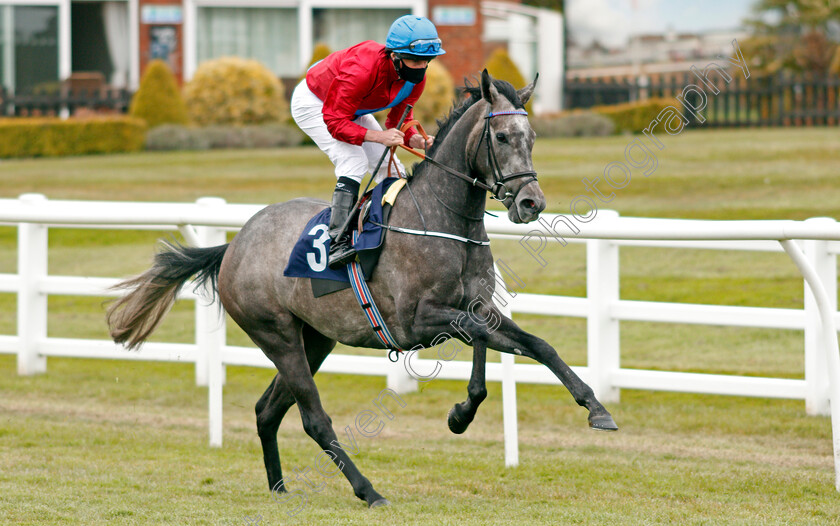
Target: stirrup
{"points": [[341, 253]]}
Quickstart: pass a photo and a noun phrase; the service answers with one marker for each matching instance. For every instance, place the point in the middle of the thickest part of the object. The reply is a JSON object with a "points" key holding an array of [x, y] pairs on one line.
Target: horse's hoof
{"points": [[455, 424], [603, 422], [380, 502]]}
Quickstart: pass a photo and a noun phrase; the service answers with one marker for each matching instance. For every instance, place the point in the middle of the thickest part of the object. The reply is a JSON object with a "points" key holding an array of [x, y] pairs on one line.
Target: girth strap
{"points": [[365, 299]]}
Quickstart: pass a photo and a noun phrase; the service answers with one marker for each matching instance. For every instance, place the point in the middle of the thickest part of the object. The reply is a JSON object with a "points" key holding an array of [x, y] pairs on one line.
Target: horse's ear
{"points": [[488, 90], [526, 92]]}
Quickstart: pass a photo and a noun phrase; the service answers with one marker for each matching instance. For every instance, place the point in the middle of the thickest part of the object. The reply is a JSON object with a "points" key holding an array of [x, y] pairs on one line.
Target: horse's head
{"points": [[500, 147]]}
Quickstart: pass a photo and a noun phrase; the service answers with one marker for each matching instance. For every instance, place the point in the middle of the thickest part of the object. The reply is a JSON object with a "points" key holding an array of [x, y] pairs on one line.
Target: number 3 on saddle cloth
{"points": [[309, 255]]}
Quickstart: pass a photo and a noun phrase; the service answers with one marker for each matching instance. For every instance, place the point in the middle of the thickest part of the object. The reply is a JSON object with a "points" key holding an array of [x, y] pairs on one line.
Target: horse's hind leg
{"points": [[461, 415], [271, 408], [276, 401], [283, 345]]}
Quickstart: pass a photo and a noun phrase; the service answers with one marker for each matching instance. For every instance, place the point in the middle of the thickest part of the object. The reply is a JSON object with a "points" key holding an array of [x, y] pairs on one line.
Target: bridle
{"points": [[499, 179]]}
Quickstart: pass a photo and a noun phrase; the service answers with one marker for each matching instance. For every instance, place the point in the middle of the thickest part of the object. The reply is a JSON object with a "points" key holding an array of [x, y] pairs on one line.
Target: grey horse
{"points": [[425, 287]]}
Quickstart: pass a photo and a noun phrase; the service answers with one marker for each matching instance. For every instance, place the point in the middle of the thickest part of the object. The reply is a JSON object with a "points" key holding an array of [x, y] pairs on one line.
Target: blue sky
{"points": [[612, 21]]}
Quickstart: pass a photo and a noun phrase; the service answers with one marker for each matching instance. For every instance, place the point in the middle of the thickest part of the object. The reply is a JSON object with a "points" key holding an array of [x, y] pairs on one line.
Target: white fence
{"points": [[205, 223]]}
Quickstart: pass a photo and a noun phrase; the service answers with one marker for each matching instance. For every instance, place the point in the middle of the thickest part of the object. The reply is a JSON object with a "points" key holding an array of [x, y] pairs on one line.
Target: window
{"points": [[35, 40], [265, 34], [3, 45], [341, 28]]}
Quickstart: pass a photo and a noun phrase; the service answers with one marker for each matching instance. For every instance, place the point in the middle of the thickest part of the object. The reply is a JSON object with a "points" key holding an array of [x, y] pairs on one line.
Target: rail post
{"points": [[398, 379], [831, 351], [510, 421], [210, 333], [602, 329], [816, 367], [209, 330], [32, 303]]}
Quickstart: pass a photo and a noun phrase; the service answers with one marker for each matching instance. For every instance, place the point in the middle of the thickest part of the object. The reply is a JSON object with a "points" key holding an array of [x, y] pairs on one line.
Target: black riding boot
{"points": [[341, 249]]}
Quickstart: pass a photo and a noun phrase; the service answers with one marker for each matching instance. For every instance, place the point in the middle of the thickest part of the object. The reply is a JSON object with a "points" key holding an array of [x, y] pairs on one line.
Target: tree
{"points": [[793, 35]]}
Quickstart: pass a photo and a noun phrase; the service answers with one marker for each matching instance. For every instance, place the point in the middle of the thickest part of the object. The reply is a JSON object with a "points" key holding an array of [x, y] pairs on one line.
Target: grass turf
{"points": [[125, 442]]}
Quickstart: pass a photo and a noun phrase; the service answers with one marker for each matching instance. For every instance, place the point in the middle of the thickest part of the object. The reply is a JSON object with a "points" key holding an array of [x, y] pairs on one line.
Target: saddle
{"points": [[309, 255]]}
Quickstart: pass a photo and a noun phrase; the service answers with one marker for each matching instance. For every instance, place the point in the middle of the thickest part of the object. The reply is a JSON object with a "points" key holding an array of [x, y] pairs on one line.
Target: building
{"points": [[46, 42], [648, 54]]}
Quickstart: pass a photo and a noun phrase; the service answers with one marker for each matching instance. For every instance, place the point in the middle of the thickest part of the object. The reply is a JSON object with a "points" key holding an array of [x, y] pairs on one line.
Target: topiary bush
{"points": [[635, 116], [437, 97], [42, 137], [232, 90], [158, 99], [320, 52], [500, 66], [574, 124]]}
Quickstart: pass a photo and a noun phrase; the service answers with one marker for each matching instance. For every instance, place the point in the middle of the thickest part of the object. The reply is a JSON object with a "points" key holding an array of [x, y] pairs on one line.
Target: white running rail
{"points": [[812, 245]]}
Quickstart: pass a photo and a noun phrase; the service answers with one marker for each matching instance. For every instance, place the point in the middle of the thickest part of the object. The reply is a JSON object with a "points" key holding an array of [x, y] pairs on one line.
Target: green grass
{"points": [[96, 441]]}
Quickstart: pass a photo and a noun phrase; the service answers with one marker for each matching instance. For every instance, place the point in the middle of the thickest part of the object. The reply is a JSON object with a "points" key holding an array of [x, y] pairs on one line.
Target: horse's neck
{"points": [[457, 194]]}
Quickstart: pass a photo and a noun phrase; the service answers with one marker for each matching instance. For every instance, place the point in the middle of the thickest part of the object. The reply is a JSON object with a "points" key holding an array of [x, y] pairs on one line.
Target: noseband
{"points": [[499, 179]]}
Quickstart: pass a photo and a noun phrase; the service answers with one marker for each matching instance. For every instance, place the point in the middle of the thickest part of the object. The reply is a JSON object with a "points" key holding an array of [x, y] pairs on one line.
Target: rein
{"points": [[495, 168], [492, 159]]}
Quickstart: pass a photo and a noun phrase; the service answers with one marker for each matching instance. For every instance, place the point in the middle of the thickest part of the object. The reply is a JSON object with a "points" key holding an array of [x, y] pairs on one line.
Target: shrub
{"points": [[575, 124], [500, 66], [320, 52], [273, 135], [172, 137], [834, 67], [175, 137], [635, 116], [232, 90], [220, 136], [437, 97], [158, 100], [36, 137]]}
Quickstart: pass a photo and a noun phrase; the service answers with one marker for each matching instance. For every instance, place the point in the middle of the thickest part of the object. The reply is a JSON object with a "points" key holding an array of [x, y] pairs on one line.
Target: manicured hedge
{"points": [[174, 137], [634, 116], [44, 137], [575, 123]]}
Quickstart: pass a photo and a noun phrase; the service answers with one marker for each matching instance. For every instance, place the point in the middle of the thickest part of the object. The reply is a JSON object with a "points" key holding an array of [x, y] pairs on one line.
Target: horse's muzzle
{"points": [[528, 204]]}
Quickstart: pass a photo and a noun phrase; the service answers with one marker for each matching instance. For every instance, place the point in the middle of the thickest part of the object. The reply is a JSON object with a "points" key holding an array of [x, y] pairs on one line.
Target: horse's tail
{"points": [[133, 317]]}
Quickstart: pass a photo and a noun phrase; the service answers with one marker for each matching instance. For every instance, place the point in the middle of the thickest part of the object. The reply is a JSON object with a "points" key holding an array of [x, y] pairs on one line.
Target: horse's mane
{"points": [[473, 95]]}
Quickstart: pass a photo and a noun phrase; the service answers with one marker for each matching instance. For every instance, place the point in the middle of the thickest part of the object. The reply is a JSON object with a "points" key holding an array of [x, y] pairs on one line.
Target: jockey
{"points": [[334, 103]]}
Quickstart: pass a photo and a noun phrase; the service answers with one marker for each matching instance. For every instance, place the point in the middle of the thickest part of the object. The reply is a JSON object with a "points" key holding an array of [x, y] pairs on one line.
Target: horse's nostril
{"points": [[529, 204]]}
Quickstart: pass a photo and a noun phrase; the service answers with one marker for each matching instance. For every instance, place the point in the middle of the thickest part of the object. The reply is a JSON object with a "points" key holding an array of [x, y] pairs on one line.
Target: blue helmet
{"points": [[415, 36]]}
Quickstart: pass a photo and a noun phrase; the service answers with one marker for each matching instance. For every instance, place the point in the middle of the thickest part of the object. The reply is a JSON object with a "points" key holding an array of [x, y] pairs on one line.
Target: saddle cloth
{"points": [[309, 255]]}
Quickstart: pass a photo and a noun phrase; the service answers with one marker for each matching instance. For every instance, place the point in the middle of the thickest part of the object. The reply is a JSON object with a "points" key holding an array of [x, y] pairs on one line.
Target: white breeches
{"points": [[350, 160]]}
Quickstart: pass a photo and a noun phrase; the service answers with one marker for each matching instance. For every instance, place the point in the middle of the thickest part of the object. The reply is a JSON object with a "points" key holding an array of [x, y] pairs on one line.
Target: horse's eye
{"points": [[501, 137]]}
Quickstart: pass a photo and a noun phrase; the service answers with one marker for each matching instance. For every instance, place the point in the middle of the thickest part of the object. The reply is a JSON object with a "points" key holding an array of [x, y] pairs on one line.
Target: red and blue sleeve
{"points": [[343, 98], [397, 111]]}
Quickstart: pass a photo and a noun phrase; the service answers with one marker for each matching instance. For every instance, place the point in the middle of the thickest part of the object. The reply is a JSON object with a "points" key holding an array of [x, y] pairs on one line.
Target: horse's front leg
{"points": [[506, 336], [461, 415]]}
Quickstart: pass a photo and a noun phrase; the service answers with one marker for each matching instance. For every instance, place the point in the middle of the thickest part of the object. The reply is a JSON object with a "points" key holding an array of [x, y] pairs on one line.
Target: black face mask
{"points": [[415, 76]]}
